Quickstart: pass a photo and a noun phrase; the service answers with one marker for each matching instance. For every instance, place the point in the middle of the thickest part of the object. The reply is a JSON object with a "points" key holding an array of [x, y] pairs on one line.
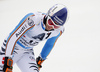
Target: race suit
{"points": [[20, 42]]}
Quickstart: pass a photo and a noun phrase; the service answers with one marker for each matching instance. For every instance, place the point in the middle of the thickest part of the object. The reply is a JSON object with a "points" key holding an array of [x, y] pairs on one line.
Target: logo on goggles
{"points": [[58, 20]]}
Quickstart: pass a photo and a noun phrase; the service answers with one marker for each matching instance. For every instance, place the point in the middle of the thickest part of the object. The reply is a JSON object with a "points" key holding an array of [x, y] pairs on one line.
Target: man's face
{"points": [[51, 25]]}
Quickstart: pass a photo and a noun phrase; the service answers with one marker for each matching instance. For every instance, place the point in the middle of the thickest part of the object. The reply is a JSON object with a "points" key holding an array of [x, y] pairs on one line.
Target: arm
{"points": [[47, 49], [14, 36], [17, 33], [49, 46]]}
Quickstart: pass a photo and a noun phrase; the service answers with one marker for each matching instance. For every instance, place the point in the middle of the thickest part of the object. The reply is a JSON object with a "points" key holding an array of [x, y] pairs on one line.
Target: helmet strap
{"points": [[44, 20]]}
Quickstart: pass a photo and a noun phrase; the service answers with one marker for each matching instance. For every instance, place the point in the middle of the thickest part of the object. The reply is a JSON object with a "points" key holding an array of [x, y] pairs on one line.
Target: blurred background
{"points": [[78, 49]]}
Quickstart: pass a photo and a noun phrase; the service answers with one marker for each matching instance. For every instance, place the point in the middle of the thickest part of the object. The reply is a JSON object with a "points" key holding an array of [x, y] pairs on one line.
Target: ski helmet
{"points": [[57, 14]]}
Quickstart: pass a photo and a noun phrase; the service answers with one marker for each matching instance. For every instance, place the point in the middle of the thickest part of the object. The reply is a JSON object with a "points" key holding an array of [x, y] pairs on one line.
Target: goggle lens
{"points": [[51, 23]]}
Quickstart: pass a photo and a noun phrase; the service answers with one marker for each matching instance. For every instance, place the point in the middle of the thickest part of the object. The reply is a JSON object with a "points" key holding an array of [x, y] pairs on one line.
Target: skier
{"points": [[32, 29]]}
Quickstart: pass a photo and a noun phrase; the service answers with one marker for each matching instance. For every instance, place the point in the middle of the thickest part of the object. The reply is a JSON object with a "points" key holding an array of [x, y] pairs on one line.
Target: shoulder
{"points": [[60, 30], [57, 32], [37, 17]]}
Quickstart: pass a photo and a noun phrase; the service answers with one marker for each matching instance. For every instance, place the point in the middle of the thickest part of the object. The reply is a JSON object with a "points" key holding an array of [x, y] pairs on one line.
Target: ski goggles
{"points": [[52, 23]]}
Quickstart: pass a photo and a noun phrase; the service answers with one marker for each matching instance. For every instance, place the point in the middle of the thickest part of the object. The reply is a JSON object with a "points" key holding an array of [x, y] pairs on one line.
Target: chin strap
{"points": [[49, 30], [44, 20]]}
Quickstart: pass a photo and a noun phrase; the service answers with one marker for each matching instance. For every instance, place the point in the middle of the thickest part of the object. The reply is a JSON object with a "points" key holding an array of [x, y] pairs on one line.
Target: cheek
{"points": [[49, 27]]}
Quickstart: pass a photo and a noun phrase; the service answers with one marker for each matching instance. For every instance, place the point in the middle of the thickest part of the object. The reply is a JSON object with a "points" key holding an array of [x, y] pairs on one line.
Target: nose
{"points": [[49, 27]]}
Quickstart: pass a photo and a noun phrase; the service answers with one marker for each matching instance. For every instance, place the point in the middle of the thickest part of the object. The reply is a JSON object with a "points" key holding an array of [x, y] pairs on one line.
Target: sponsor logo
{"points": [[58, 20], [30, 22], [28, 43], [54, 9], [22, 29]]}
